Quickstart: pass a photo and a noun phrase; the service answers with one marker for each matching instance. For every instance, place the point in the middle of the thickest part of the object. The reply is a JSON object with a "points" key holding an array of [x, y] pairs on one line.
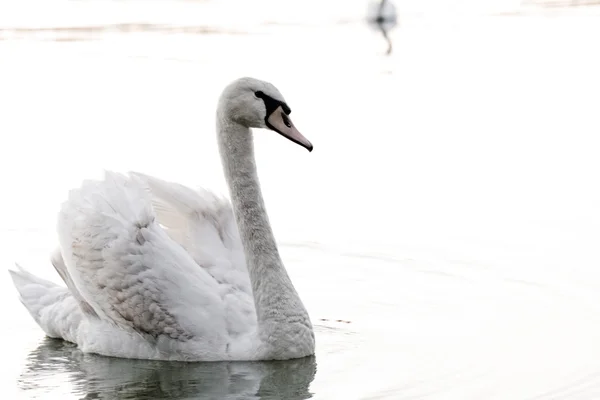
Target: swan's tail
{"points": [[53, 307]]}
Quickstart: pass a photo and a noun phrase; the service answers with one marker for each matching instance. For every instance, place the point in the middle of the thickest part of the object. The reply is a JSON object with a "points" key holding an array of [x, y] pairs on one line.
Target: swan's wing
{"points": [[54, 309], [130, 271], [61, 268], [204, 225]]}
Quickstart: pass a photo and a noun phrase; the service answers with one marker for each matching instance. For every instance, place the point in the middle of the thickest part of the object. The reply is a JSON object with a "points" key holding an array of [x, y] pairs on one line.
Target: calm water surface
{"points": [[443, 234]]}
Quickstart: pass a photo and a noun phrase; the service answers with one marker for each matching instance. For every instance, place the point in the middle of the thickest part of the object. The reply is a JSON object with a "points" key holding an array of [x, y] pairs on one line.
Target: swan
{"points": [[155, 270]]}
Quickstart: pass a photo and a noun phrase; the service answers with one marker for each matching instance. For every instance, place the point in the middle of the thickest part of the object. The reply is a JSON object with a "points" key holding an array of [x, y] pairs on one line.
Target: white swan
{"points": [[155, 270]]}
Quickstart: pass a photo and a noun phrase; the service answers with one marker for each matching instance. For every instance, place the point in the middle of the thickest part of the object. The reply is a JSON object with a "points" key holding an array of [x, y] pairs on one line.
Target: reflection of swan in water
{"points": [[383, 17], [98, 377]]}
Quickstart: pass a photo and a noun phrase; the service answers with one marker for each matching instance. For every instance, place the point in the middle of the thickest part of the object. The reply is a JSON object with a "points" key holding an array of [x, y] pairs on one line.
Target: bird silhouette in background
{"points": [[382, 16]]}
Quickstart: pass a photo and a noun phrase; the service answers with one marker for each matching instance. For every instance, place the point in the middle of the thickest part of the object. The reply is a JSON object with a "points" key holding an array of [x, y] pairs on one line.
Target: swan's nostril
{"points": [[286, 120]]}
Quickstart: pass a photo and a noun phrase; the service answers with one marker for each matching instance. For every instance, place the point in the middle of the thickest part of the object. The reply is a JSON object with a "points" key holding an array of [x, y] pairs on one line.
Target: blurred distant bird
{"points": [[382, 16]]}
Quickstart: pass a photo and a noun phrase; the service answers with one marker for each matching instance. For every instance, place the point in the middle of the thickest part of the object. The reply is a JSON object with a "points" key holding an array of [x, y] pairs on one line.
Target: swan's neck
{"points": [[278, 306], [237, 156]]}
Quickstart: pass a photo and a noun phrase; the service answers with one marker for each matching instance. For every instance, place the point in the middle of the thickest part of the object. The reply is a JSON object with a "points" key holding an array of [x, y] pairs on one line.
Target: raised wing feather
{"points": [[131, 272], [204, 225], [61, 268]]}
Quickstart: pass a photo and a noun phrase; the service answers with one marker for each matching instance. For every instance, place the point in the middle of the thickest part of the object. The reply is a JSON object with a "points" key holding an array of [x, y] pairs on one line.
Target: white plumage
{"points": [[159, 271]]}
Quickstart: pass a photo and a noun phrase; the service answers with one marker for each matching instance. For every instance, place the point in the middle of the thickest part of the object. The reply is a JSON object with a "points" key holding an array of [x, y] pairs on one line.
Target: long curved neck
{"points": [[237, 155], [277, 302]]}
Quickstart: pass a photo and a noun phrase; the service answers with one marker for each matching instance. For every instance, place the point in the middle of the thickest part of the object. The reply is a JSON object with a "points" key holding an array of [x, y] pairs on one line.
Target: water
{"points": [[443, 234]]}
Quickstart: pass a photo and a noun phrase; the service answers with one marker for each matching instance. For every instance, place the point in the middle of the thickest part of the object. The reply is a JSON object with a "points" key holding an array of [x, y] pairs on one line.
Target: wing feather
{"points": [[130, 271], [204, 225]]}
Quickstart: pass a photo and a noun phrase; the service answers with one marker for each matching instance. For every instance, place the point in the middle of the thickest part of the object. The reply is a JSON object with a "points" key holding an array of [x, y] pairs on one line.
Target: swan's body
{"points": [[155, 270]]}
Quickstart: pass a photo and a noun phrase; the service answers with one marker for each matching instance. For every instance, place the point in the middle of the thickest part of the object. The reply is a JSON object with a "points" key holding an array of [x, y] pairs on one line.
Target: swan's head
{"points": [[257, 104]]}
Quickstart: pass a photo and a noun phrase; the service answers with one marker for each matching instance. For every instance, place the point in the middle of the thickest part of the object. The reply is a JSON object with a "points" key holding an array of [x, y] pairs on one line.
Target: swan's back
{"points": [[153, 270], [127, 268]]}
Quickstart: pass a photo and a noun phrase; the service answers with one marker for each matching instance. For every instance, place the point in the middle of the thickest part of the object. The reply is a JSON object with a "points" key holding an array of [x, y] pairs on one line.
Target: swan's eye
{"points": [[286, 120], [259, 94]]}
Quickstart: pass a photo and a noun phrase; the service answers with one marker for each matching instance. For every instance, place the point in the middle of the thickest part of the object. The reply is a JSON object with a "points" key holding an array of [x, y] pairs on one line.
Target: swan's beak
{"points": [[281, 123]]}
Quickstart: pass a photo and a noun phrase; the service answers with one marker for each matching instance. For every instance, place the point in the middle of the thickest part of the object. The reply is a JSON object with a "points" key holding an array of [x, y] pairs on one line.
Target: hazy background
{"points": [[443, 233]]}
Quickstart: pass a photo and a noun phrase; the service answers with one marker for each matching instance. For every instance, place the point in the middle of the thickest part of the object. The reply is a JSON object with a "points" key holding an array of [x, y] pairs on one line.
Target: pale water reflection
{"points": [[97, 377]]}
